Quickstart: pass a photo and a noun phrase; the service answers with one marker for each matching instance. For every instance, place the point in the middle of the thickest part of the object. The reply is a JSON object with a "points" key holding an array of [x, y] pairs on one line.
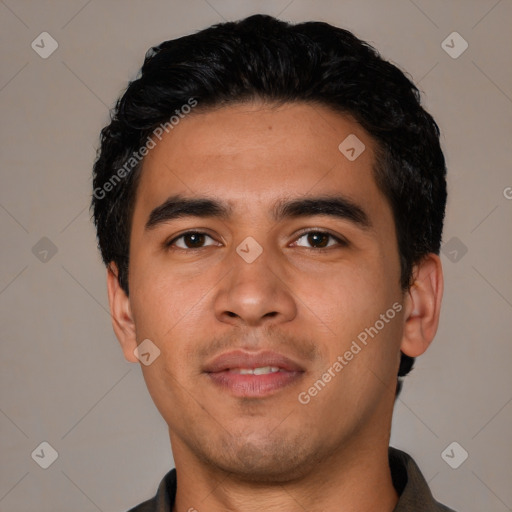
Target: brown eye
{"points": [[320, 240], [190, 240]]}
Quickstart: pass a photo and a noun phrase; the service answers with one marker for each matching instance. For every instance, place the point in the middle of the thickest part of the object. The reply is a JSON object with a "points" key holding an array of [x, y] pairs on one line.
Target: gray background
{"points": [[64, 379]]}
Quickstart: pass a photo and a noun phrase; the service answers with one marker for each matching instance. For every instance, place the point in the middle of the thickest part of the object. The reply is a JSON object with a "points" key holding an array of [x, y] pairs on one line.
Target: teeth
{"points": [[256, 371]]}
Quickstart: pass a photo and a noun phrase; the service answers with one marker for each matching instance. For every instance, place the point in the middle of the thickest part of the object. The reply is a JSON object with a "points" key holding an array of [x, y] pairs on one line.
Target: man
{"points": [[269, 201]]}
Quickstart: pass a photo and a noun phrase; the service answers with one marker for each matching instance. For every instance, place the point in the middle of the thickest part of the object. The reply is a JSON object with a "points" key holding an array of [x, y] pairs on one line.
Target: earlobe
{"points": [[121, 314], [422, 306]]}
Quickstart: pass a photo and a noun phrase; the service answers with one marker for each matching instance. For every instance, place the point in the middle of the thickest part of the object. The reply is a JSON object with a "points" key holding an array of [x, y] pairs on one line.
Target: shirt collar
{"points": [[414, 493], [411, 486]]}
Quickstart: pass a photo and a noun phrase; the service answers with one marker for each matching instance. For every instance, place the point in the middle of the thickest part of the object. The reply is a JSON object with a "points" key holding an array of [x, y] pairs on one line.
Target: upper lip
{"points": [[251, 360]]}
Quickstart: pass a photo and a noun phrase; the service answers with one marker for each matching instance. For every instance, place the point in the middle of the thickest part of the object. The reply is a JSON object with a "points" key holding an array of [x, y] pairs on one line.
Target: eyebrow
{"points": [[338, 206]]}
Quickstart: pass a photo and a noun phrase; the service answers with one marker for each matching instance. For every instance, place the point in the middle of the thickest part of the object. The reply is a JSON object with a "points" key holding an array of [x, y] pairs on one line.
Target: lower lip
{"points": [[256, 386]]}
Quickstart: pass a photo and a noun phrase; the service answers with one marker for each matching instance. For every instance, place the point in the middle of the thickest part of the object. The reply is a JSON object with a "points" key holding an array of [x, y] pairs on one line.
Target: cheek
{"points": [[350, 298], [169, 311], [161, 299], [360, 308]]}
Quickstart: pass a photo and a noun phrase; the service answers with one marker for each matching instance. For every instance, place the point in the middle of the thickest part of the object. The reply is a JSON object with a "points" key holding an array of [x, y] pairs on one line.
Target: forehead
{"points": [[251, 154]]}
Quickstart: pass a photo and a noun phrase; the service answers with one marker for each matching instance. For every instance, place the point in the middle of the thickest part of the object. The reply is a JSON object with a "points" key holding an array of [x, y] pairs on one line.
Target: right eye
{"points": [[189, 240]]}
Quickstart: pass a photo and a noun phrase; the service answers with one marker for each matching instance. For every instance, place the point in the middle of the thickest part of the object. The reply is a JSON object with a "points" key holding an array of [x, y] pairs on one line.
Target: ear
{"points": [[422, 306], [121, 314]]}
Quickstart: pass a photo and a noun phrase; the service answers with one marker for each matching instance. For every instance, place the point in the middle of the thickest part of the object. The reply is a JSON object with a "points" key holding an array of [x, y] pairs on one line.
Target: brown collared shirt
{"points": [[415, 496]]}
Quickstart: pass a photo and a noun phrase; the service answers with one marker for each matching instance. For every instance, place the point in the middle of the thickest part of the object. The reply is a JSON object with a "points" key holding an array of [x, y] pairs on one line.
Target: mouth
{"points": [[256, 375]]}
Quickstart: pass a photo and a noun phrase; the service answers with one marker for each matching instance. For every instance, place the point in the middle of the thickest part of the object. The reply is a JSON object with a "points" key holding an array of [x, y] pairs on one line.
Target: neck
{"points": [[357, 478]]}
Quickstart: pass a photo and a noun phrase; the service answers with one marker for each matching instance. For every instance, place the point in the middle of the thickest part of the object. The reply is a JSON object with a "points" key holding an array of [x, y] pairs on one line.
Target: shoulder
{"points": [[164, 497], [411, 486]]}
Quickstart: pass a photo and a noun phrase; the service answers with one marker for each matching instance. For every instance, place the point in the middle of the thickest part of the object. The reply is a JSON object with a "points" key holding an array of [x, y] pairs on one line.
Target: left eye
{"points": [[320, 239]]}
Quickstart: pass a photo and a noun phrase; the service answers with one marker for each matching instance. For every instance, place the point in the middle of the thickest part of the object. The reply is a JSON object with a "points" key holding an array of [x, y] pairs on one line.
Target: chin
{"points": [[268, 460]]}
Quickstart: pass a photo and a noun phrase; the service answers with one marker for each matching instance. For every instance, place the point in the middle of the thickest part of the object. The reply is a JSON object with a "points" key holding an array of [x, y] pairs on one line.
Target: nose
{"points": [[254, 294]]}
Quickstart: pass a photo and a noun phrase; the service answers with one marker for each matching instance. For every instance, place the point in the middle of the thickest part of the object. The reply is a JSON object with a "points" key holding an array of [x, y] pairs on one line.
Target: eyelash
{"points": [[341, 241]]}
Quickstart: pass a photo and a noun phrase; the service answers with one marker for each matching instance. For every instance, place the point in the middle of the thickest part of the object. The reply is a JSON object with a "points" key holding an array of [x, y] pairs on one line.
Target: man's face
{"points": [[217, 310]]}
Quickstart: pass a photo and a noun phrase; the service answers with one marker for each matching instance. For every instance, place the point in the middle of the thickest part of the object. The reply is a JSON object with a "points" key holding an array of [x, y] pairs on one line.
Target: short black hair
{"points": [[263, 58]]}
